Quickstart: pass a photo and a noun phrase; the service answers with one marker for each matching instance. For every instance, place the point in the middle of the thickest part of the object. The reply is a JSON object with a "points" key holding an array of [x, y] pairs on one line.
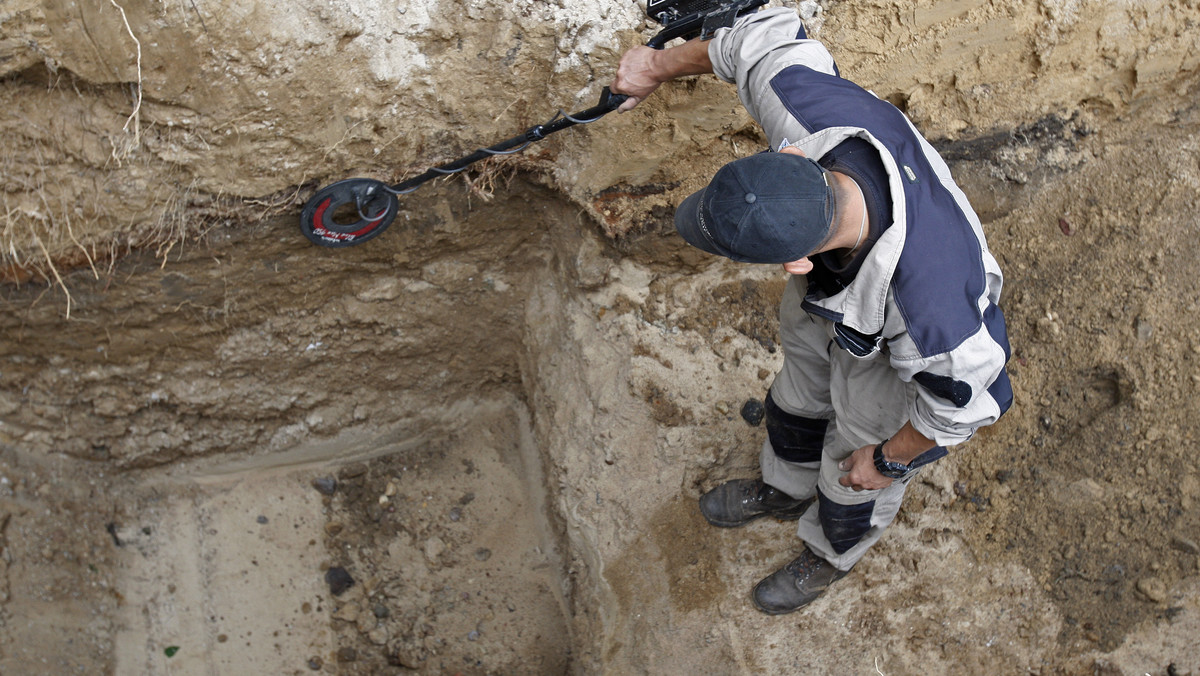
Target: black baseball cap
{"points": [[766, 208]]}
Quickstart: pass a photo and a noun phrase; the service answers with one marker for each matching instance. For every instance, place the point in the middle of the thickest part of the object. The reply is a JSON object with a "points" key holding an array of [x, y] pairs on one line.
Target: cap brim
{"points": [[688, 224]]}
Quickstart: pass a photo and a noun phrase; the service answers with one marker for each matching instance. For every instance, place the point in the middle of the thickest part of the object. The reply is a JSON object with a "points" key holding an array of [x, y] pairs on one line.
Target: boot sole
{"points": [[770, 611], [778, 516]]}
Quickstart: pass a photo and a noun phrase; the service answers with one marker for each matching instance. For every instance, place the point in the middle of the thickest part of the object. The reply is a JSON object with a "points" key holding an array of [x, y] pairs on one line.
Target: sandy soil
{"points": [[495, 418]]}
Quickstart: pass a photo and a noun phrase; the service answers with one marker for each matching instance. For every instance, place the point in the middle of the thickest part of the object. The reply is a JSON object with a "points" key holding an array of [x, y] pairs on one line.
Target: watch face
{"points": [[891, 470]]}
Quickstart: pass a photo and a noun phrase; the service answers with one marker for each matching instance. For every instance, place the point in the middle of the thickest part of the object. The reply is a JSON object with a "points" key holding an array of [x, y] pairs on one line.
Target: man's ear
{"points": [[798, 267], [792, 150]]}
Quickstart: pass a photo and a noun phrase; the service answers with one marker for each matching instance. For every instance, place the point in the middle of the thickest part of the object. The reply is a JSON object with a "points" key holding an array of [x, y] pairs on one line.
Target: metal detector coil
{"points": [[355, 210], [348, 212]]}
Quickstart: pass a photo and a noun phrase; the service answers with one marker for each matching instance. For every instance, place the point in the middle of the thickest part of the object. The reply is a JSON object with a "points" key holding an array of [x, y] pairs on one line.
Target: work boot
{"points": [[796, 585], [741, 501]]}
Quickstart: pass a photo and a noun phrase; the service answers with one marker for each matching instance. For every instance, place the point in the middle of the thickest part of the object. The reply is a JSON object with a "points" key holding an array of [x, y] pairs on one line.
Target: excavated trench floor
{"points": [[230, 422]]}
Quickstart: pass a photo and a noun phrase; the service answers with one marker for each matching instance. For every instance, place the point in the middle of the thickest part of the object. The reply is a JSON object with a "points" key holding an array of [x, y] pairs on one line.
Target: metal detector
{"points": [[355, 210]]}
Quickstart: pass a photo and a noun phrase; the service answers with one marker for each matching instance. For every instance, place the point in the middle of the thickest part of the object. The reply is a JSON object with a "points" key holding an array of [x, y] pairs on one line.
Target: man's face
{"points": [[802, 266]]}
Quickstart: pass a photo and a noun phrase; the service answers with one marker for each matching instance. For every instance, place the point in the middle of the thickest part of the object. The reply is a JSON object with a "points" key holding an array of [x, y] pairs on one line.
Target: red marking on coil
{"points": [[320, 231]]}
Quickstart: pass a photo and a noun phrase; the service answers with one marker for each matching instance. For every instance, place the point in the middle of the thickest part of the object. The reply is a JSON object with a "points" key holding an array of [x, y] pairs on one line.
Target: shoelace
{"points": [[752, 493], [803, 567]]}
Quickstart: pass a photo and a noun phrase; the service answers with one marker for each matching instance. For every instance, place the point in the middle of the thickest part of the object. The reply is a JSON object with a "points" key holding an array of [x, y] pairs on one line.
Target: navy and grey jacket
{"points": [[928, 289]]}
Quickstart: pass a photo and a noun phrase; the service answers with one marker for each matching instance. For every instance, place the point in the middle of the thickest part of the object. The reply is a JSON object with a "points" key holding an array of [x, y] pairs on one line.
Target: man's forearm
{"points": [[690, 58], [906, 444]]}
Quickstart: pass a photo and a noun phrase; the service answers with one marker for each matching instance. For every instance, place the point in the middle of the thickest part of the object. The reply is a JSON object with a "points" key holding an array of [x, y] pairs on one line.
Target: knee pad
{"points": [[794, 438], [843, 525]]}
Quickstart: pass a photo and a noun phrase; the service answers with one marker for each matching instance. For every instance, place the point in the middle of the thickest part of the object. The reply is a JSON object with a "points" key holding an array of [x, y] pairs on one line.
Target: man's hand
{"points": [[861, 473], [903, 446], [642, 69], [635, 76]]}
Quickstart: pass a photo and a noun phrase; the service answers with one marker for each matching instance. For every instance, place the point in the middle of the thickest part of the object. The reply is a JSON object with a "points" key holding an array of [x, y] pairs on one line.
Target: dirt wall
{"points": [[119, 119]]}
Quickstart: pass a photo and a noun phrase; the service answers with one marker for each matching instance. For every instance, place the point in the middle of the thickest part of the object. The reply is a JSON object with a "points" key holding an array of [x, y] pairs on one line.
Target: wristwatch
{"points": [[889, 468]]}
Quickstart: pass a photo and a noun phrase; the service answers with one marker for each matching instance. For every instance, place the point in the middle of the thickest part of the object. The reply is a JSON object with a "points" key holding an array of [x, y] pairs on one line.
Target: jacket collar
{"points": [[863, 302]]}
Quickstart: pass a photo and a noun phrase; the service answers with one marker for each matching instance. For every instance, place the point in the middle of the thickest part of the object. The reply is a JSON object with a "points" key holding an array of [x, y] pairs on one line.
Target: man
{"points": [[894, 347]]}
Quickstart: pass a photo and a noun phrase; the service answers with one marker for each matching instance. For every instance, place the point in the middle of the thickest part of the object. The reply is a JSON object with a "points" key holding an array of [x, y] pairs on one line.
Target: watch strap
{"points": [[889, 468]]}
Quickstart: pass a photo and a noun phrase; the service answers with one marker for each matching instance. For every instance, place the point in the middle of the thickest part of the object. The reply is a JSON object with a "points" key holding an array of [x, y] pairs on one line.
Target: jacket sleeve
{"points": [[956, 392], [754, 50]]}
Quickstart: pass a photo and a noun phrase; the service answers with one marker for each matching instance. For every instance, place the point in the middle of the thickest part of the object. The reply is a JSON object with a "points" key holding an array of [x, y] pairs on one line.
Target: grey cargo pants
{"points": [[864, 403]]}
